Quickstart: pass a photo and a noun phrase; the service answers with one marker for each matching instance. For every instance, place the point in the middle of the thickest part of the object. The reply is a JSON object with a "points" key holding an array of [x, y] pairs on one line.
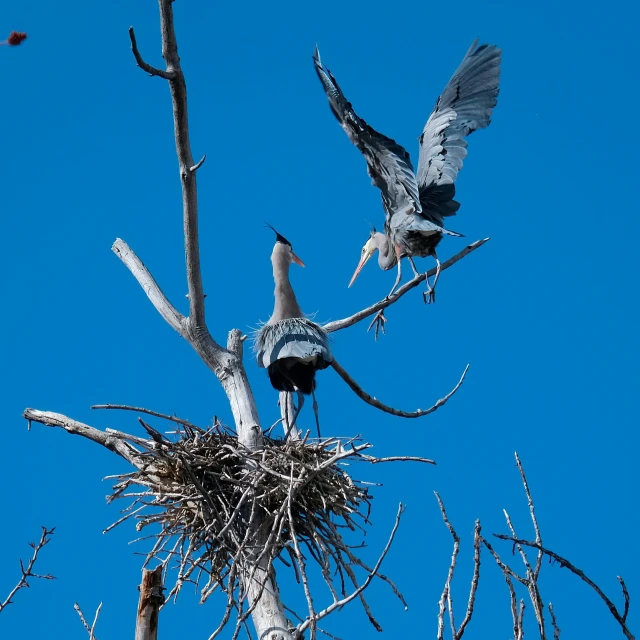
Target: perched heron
{"points": [[415, 205], [291, 347]]}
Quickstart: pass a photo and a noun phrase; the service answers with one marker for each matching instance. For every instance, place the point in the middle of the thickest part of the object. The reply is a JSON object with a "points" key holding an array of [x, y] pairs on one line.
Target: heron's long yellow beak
{"points": [[363, 260], [297, 260]]}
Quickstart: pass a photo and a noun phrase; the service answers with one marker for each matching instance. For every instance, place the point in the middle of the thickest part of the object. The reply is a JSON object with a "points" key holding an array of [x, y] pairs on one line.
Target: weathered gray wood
{"points": [[268, 614], [151, 599]]}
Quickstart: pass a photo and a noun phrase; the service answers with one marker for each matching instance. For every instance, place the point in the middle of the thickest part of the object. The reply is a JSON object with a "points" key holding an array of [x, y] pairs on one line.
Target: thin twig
{"points": [[532, 512], [126, 407], [627, 601], [554, 623], [508, 573], [445, 598], [95, 622], [477, 541], [363, 395], [531, 582], [27, 572], [341, 603], [374, 460], [336, 325]]}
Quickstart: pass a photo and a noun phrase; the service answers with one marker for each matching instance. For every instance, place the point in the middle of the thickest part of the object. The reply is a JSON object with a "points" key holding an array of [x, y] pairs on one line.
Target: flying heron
{"points": [[415, 205], [290, 346]]}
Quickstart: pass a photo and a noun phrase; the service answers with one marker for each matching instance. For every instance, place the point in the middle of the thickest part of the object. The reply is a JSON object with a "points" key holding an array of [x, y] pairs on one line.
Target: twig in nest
{"points": [[203, 494], [27, 572]]}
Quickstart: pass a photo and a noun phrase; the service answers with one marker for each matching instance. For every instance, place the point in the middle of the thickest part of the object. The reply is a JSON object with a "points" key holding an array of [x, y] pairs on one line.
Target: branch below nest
{"points": [[336, 325], [357, 389], [341, 603]]}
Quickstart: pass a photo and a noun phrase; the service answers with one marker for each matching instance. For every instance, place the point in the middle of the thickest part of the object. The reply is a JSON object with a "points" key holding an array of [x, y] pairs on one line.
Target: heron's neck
{"points": [[286, 305], [386, 253]]}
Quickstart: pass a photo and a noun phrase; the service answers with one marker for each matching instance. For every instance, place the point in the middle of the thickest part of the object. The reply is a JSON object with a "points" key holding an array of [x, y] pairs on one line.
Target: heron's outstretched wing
{"points": [[388, 163], [464, 106]]}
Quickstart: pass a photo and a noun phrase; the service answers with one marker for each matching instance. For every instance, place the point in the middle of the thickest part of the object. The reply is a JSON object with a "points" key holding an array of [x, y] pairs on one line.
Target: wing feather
{"points": [[464, 106], [389, 164]]}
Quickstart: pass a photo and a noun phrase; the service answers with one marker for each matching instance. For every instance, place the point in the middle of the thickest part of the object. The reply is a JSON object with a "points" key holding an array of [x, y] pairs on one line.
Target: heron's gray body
{"points": [[416, 203], [290, 346]]}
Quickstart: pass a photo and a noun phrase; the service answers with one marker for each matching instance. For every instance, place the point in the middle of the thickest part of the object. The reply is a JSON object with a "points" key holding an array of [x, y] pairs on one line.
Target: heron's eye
{"points": [[364, 249]]}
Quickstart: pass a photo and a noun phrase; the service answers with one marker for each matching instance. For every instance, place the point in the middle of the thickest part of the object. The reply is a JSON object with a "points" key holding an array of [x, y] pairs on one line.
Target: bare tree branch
{"points": [[508, 574], [301, 628], [108, 440], [554, 623], [477, 540], [564, 563], [27, 572], [336, 325], [90, 629], [173, 317], [126, 407], [446, 599], [178, 88], [152, 71], [363, 395], [531, 582], [625, 595], [532, 512]]}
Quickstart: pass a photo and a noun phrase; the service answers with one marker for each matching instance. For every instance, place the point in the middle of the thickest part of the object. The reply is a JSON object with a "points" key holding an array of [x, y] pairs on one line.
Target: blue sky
{"points": [[546, 313]]}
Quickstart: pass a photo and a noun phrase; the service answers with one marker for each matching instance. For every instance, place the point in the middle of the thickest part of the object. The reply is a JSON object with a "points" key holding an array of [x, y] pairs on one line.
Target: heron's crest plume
{"points": [[279, 237]]}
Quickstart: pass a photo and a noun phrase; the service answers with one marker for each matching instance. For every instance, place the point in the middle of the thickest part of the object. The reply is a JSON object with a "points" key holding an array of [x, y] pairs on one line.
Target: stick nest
{"points": [[223, 511]]}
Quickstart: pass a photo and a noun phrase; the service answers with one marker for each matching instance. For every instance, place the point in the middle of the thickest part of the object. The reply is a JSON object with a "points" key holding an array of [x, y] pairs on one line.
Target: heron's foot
{"points": [[429, 295], [378, 321]]}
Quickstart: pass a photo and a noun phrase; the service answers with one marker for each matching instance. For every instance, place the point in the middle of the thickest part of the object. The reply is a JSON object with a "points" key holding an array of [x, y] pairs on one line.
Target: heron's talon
{"points": [[379, 321], [429, 296]]}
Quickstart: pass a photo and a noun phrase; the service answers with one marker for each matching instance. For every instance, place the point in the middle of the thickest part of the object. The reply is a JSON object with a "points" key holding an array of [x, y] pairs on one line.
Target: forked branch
{"points": [[446, 599], [89, 628], [530, 579], [177, 85], [362, 394], [28, 571], [621, 618]]}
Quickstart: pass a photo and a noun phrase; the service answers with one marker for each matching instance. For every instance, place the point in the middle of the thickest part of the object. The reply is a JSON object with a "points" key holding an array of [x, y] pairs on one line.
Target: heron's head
{"points": [[283, 249], [370, 247]]}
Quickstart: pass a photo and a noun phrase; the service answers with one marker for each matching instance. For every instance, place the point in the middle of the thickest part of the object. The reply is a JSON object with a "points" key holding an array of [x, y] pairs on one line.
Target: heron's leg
{"points": [[290, 426], [315, 412], [399, 276], [413, 266], [379, 322], [430, 293]]}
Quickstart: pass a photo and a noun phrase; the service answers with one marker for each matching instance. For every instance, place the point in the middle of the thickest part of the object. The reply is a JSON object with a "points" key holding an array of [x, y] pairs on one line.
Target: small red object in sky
{"points": [[15, 38]]}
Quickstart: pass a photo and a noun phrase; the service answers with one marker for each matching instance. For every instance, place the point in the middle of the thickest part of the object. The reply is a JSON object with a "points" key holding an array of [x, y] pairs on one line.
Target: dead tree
{"points": [[233, 500]]}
